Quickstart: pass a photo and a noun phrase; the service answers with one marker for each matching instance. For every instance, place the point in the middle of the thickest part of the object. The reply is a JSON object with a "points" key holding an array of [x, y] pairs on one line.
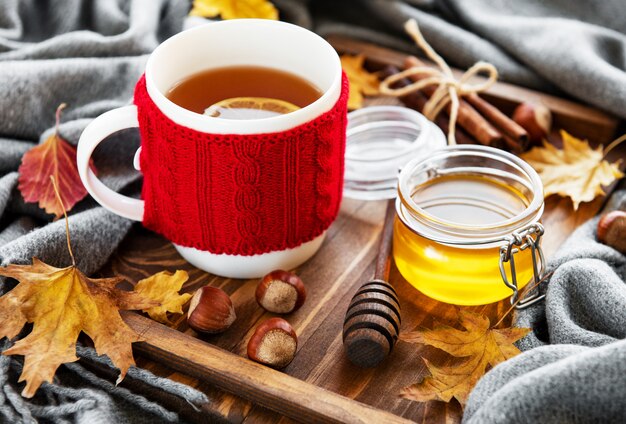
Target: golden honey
{"points": [[452, 224]]}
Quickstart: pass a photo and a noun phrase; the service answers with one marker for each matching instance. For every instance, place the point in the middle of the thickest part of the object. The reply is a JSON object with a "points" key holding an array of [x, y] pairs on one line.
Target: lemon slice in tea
{"points": [[249, 108]]}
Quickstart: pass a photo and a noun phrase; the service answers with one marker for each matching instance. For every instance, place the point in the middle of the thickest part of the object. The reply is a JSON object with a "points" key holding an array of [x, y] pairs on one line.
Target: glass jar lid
{"points": [[380, 141]]}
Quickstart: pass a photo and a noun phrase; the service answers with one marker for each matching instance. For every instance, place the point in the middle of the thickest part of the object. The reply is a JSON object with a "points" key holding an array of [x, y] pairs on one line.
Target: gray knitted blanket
{"points": [[89, 53], [575, 47], [573, 368]]}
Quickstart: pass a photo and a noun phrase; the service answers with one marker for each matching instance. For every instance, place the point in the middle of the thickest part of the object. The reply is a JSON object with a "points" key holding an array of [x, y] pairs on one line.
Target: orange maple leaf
{"points": [[62, 302], [361, 81], [55, 157], [481, 346]]}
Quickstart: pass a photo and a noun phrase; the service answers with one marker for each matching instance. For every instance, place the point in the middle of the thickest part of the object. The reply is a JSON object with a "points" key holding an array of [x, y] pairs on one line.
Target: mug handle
{"points": [[99, 129]]}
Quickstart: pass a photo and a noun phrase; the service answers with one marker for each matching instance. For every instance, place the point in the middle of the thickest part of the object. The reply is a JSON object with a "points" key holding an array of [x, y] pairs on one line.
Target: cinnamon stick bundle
{"points": [[486, 123], [511, 129], [468, 117]]}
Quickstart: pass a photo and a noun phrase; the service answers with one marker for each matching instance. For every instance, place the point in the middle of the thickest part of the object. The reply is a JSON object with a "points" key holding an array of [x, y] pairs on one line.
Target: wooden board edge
{"points": [[259, 384]]}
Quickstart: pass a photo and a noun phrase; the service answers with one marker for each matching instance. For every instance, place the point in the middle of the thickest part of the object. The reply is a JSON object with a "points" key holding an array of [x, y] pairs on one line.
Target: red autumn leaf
{"points": [[55, 157]]}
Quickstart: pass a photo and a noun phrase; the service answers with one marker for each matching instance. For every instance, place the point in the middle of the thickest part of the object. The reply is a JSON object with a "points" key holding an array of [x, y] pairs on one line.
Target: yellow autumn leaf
{"points": [[482, 347], [361, 81], [577, 171], [62, 302], [163, 288], [234, 9]]}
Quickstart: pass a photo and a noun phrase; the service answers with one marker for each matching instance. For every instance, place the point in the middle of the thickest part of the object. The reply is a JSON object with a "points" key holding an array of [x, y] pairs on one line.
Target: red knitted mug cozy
{"points": [[241, 194]]}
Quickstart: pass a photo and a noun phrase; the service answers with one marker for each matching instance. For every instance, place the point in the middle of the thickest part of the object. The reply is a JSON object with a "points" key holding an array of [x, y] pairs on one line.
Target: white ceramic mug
{"points": [[271, 44]]}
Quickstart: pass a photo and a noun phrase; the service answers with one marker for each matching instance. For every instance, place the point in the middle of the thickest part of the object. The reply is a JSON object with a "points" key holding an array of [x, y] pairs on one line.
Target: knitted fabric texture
{"points": [[241, 194]]}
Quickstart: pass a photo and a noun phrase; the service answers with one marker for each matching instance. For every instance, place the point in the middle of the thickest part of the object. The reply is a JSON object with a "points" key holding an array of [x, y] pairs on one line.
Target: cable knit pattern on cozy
{"points": [[241, 194]]}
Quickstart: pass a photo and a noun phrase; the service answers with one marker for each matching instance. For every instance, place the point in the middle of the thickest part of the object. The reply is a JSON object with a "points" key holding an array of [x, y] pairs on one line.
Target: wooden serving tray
{"points": [[321, 385]]}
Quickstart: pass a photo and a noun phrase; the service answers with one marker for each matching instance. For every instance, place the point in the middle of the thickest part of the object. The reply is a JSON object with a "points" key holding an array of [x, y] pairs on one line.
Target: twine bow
{"points": [[449, 89]]}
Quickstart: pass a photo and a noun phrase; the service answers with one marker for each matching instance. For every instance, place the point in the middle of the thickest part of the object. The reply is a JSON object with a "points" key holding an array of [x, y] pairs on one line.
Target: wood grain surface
{"points": [[252, 381], [345, 261]]}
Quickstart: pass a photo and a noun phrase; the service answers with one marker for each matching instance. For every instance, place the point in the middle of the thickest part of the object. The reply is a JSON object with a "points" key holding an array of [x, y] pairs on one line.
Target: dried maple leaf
{"points": [[229, 9], [361, 81], [62, 302], [56, 157], [163, 287], [482, 346], [577, 171]]}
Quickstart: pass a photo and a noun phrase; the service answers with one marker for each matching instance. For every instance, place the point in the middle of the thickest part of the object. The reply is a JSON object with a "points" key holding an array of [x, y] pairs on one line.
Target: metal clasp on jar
{"points": [[526, 238]]}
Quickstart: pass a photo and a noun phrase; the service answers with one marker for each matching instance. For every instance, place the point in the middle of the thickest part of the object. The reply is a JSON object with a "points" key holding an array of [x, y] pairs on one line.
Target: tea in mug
{"points": [[243, 92]]}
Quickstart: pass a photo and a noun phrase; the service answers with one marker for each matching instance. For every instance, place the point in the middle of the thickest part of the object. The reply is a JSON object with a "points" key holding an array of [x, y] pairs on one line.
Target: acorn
{"points": [[612, 230], [274, 343], [536, 119], [210, 311], [281, 292]]}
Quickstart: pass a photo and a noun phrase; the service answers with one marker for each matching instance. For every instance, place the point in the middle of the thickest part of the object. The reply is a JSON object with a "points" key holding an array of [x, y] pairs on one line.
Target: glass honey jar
{"points": [[467, 230]]}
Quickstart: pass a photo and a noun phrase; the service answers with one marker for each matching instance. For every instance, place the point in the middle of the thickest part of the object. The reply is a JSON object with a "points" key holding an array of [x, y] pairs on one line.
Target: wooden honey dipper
{"points": [[372, 323]]}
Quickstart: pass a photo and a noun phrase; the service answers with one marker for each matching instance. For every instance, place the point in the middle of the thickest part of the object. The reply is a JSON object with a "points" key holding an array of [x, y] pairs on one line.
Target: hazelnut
{"points": [[612, 230], [273, 343], [210, 310], [280, 292], [536, 119]]}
